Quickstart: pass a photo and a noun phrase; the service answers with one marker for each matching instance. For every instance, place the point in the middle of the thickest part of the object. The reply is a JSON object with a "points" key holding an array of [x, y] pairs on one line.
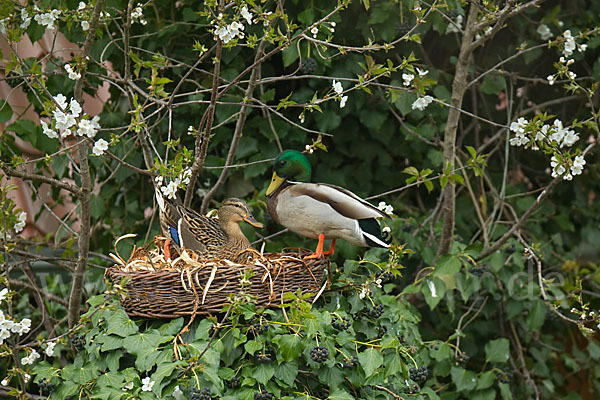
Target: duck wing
{"points": [[340, 199], [200, 233]]}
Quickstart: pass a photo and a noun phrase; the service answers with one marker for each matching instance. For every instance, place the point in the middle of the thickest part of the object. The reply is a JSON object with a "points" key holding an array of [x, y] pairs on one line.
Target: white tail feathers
{"points": [[375, 239]]}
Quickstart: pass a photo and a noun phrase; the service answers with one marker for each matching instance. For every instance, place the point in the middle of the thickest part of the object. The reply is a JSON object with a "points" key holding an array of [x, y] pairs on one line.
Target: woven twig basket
{"points": [[204, 288]]}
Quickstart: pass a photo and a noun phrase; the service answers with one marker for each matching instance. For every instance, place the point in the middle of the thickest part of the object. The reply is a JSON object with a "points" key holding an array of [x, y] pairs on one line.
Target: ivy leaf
{"points": [[120, 324], [340, 394], [5, 111], [430, 393], [463, 379], [252, 346], [79, 375], [536, 316], [497, 350], [370, 360], [486, 380], [290, 347], [112, 379], [263, 373], [44, 370], [287, 372]]}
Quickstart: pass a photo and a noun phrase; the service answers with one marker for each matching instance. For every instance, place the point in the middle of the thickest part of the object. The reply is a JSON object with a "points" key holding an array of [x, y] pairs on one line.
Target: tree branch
{"points": [[86, 186]]}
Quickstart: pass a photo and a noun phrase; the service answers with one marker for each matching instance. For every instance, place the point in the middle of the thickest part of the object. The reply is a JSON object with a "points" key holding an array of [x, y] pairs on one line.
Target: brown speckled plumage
{"points": [[210, 238]]}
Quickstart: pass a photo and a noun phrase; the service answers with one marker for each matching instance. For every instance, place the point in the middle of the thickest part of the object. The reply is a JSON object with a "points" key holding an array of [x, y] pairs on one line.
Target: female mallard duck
{"points": [[319, 210], [208, 237]]}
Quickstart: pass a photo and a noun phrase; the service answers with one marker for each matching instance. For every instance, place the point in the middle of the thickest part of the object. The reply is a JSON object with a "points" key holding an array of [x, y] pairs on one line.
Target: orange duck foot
{"points": [[319, 251]]}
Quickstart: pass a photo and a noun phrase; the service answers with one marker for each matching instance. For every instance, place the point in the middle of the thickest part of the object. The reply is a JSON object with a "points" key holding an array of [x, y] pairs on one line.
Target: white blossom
{"points": [[343, 101], [22, 327], [4, 382], [247, 15], [191, 130], [314, 30], [72, 75], [50, 349], [544, 31], [75, 108], [48, 131], [337, 87], [25, 18], [100, 147], [20, 225], [309, 149], [81, 5], [170, 190], [455, 29], [26, 377], [3, 294], [85, 25], [63, 121], [570, 138], [407, 78], [577, 167], [421, 72], [570, 44], [61, 100], [30, 359], [363, 293], [147, 384], [551, 80], [581, 47], [47, 19], [572, 75], [422, 102], [386, 208], [87, 128], [4, 334], [3, 26], [128, 386], [557, 168]]}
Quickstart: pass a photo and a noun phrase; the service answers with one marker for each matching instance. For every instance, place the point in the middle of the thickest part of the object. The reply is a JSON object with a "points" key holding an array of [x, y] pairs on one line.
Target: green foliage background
{"points": [[481, 328]]}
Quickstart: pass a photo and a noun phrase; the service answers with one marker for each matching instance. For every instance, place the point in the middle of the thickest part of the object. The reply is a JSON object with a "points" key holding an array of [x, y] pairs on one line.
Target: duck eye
{"points": [[281, 163]]}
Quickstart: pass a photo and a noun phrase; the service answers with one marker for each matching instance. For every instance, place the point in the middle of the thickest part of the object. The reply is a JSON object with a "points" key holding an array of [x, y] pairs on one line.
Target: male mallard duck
{"points": [[318, 210], [208, 237]]}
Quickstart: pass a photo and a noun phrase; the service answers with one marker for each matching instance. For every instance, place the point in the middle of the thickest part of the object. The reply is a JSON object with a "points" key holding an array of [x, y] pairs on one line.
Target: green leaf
{"points": [[497, 350], [370, 360], [114, 379], [79, 375], [463, 379], [287, 372], [289, 55], [120, 324], [252, 346], [43, 369], [536, 316], [486, 380], [505, 391], [430, 393], [263, 373], [97, 206], [434, 290], [492, 84], [594, 350], [340, 394], [289, 346], [6, 111]]}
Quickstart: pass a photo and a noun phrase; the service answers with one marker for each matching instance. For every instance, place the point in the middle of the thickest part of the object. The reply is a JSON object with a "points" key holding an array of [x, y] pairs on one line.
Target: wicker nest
{"points": [[160, 288]]}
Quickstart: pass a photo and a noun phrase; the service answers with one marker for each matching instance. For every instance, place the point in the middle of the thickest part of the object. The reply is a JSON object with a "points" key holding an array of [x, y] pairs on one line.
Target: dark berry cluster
{"points": [[342, 323], [263, 358], [45, 386], [263, 395], [418, 374], [385, 276], [382, 330], [477, 271], [350, 362], [319, 354], [259, 329], [200, 394], [309, 66], [235, 382], [78, 343], [376, 311]]}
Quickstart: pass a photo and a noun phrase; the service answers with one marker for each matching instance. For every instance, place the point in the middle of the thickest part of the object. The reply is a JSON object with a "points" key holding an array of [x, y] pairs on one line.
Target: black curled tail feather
{"points": [[371, 231]]}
